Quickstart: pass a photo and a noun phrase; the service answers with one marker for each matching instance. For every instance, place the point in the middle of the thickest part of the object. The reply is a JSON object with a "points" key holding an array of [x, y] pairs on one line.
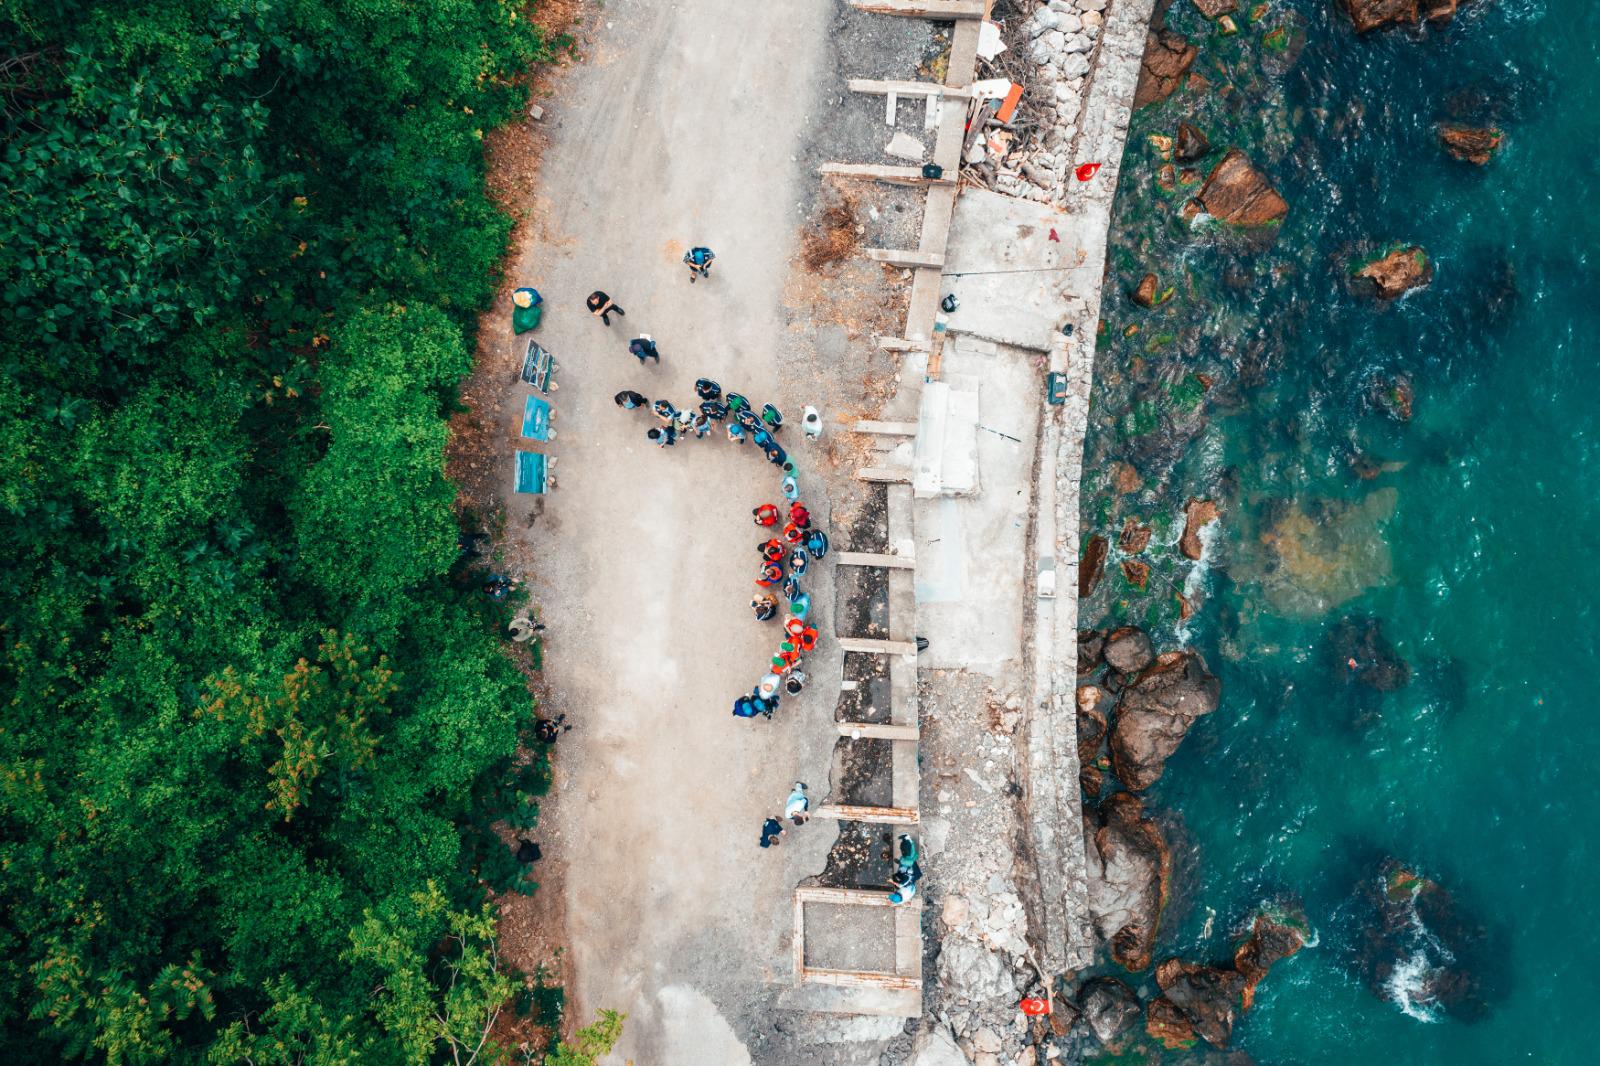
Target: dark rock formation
{"points": [[1469, 144], [1196, 513], [1134, 537], [1213, 9], [1091, 650], [1418, 950], [1375, 14], [1156, 712], [1274, 936], [1394, 396], [1145, 293], [1191, 144], [1358, 651], [1091, 734], [1206, 995], [1136, 573], [1129, 649], [1110, 1008], [1092, 567], [1167, 58], [1166, 1023], [1129, 869], [1396, 273], [1235, 192]]}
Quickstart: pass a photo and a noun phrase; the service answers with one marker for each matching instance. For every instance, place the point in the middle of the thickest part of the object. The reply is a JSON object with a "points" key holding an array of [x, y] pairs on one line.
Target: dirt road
{"points": [[681, 128]]}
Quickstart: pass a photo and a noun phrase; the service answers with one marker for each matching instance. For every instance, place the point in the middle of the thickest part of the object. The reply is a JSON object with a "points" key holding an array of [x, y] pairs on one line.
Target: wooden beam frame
{"points": [[941, 10], [875, 87], [893, 475], [906, 257], [893, 562], [893, 175], [883, 815], [875, 646], [878, 731]]}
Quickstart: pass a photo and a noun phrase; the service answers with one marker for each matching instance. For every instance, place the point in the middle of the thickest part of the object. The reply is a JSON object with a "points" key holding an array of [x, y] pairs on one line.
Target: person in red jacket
{"points": [[799, 515], [765, 515]]}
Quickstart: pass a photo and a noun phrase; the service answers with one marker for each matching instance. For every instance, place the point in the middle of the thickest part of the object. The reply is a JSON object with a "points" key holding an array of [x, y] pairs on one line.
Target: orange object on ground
{"points": [[1086, 171], [1034, 1007], [1010, 103]]}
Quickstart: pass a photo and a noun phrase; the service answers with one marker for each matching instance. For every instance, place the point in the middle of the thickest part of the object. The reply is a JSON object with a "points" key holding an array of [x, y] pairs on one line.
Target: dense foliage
{"points": [[254, 719]]}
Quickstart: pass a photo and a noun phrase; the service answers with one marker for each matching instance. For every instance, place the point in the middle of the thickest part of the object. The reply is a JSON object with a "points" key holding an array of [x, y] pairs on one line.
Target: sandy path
{"points": [[680, 129]]}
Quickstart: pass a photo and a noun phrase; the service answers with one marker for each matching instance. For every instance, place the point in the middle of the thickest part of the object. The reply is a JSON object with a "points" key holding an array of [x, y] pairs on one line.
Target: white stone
{"points": [[1055, 40], [935, 1047], [1043, 21], [955, 912], [1069, 23], [1040, 51], [986, 1058], [1091, 5], [986, 1039], [1073, 65], [1078, 43], [1092, 20], [905, 146], [1064, 92]]}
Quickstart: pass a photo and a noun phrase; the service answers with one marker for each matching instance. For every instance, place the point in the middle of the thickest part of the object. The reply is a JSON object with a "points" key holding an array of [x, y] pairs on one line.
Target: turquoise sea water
{"points": [[1467, 531]]}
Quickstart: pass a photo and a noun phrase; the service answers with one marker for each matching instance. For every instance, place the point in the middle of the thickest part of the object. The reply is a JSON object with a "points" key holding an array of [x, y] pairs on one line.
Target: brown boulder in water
{"points": [[1376, 14], [1274, 936], [1196, 514], [1167, 58], [1209, 997], [1136, 573], [1191, 144], [1091, 650], [1166, 1023], [1397, 273], [1129, 650], [1129, 869], [1235, 192], [1144, 294], [1092, 567], [1156, 712], [1470, 144]]}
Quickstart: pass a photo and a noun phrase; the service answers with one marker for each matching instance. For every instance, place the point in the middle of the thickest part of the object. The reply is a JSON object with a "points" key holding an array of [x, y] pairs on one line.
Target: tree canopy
{"points": [[254, 720]]}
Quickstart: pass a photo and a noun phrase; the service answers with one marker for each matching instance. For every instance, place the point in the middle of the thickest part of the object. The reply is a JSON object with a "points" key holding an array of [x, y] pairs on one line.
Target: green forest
{"points": [[257, 718]]}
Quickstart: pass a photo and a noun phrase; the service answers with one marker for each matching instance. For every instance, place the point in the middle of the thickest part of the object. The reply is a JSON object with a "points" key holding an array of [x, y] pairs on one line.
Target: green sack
{"points": [[525, 318]]}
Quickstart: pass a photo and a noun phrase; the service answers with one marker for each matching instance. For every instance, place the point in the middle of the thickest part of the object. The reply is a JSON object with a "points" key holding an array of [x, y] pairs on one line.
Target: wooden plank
{"points": [[878, 731], [899, 344], [942, 10], [875, 87], [873, 646], [881, 815], [800, 938], [892, 429], [905, 257], [902, 691], [893, 475], [861, 979], [963, 63], [908, 942], [875, 559], [891, 175], [851, 897], [906, 779]]}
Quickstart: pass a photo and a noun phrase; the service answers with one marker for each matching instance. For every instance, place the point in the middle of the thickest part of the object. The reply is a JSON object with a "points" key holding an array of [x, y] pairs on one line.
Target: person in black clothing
{"points": [[765, 608], [600, 306], [664, 437], [548, 729], [529, 852], [643, 347], [707, 389], [715, 410], [627, 399], [771, 833]]}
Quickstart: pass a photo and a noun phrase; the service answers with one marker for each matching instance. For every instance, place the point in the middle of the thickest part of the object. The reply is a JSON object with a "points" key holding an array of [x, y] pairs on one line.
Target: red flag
{"points": [[1086, 171], [1033, 1007], [1053, 235]]}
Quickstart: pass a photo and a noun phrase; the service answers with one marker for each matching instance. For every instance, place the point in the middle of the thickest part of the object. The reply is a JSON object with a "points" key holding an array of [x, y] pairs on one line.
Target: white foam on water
{"points": [[1406, 982]]}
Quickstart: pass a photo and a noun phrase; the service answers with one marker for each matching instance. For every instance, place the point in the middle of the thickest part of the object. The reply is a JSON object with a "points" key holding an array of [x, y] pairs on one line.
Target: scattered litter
{"points": [[989, 42], [905, 146]]}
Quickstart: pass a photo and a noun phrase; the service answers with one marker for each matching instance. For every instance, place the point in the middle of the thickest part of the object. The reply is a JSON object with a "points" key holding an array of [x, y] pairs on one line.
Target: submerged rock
{"points": [[1394, 396], [1397, 273], [1134, 537], [1196, 514], [1235, 192], [1418, 950], [1208, 996], [1136, 573], [1167, 58], [1275, 935], [1360, 652], [1092, 567], [1191, 144], [1111, 1010], [1091, 650], [1212, 9], [1311, 556], [1156, 712], [1129, 650], [1129, 869], [1469, 144], [1126, 478]]}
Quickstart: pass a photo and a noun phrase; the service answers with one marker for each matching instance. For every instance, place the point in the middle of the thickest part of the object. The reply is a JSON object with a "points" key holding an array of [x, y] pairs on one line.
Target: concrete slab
{"points": [[972, 551], [1010, 278]]}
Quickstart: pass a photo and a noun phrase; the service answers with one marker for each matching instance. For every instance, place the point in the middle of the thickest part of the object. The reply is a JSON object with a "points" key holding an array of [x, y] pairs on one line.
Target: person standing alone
{"points": [[699, 261], [601, 307], [644, 347]]}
